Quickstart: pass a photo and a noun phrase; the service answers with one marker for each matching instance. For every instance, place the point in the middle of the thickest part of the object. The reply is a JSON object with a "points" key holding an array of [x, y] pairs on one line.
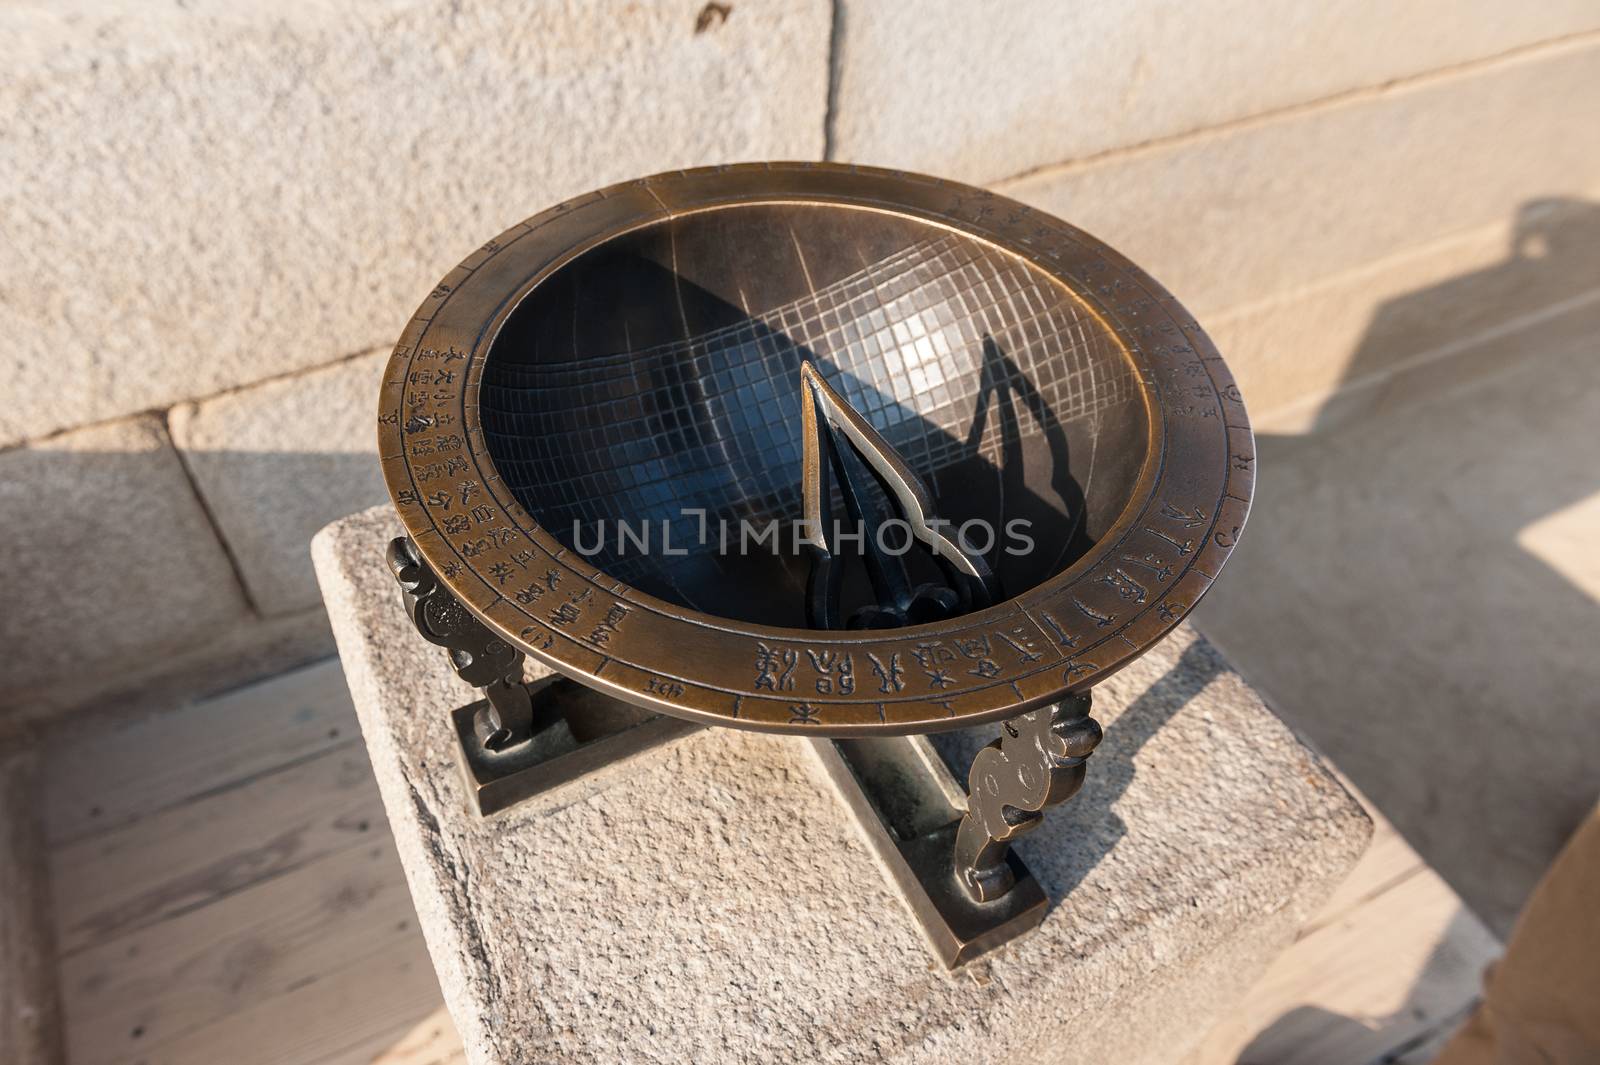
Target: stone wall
{"points": [[218, 219]]}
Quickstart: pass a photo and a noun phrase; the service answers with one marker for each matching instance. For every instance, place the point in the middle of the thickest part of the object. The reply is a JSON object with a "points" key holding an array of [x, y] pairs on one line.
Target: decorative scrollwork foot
{"points": [[1038, 761], [480, 658], [507, 718]]}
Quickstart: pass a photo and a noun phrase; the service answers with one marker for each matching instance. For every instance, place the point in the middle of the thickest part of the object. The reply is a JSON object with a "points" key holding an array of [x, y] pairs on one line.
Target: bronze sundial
{"points": [[816, 449]]}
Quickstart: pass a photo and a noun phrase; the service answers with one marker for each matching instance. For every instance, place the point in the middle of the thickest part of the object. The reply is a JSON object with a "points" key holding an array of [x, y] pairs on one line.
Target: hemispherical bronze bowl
{"points": [[632, 359]]}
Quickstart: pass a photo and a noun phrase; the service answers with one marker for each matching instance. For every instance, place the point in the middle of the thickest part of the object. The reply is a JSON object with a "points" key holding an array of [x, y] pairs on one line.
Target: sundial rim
{"points": [[1186, 512]]}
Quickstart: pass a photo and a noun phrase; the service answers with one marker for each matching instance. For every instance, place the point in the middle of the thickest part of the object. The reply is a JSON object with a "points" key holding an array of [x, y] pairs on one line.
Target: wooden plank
{"points": [[344, 1012], [434, 1041], [30, 1016], [1384, 976], [161, 983], [117, 774], [112, 884]]}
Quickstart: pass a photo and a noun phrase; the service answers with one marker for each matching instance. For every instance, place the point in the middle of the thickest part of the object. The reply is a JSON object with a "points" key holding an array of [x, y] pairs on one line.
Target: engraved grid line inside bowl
{"points": [[711, 421]]}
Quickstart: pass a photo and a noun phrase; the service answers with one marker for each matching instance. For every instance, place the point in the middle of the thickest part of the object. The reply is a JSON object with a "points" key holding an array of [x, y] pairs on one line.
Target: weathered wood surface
{"points": [[30, 1027], [195, 853], [228, 887], [135, 768]]}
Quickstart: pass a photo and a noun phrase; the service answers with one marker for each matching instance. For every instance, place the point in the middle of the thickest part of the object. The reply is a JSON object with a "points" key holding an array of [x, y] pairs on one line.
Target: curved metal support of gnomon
{"points": [[1039, 760]]}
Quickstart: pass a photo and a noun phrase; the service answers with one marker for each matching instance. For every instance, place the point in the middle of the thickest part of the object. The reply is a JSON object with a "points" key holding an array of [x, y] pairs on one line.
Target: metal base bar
{"points": [[908, 804], [591, 732]]}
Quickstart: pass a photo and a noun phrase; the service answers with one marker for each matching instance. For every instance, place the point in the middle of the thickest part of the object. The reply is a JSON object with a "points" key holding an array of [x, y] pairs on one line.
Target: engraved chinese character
{"points": [[932, 654], [803, 714], [890, 674], [1183, 546], [1020, 640], [1181, 515], [973, 646], [608, 625], [1152, 563], [775, 667], [1125, 585], [835, 669], [932, 658], [1061, 635], [1100, 620], [986, 668], [980, 648]]}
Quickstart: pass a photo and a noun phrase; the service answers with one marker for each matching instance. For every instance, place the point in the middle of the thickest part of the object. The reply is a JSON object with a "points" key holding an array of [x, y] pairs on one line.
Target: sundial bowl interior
{"points": [[818, 449]]}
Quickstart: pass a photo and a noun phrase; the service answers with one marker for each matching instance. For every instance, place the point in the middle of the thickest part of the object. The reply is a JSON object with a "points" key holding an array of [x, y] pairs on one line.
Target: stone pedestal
{"points": [[711, 901]]}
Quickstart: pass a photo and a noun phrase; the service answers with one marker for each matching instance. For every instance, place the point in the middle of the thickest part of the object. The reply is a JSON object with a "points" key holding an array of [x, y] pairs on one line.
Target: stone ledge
{"points": [[716, 904], [1302, 357], [980, 93], [1240, 215]]}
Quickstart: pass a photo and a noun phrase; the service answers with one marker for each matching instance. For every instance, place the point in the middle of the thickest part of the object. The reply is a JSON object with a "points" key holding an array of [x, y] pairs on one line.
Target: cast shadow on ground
{"points": [[1383, 599]]}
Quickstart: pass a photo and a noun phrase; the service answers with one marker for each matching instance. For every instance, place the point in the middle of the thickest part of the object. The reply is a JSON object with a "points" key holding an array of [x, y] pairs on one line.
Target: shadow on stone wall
{"points": [[122, 595], [1551, 260]]}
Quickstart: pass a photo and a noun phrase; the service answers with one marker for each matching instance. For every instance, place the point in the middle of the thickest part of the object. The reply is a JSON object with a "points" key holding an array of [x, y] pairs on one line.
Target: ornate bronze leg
{"points": [[1038, 761], [948, 853], [481, 658], [521, 740]]}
